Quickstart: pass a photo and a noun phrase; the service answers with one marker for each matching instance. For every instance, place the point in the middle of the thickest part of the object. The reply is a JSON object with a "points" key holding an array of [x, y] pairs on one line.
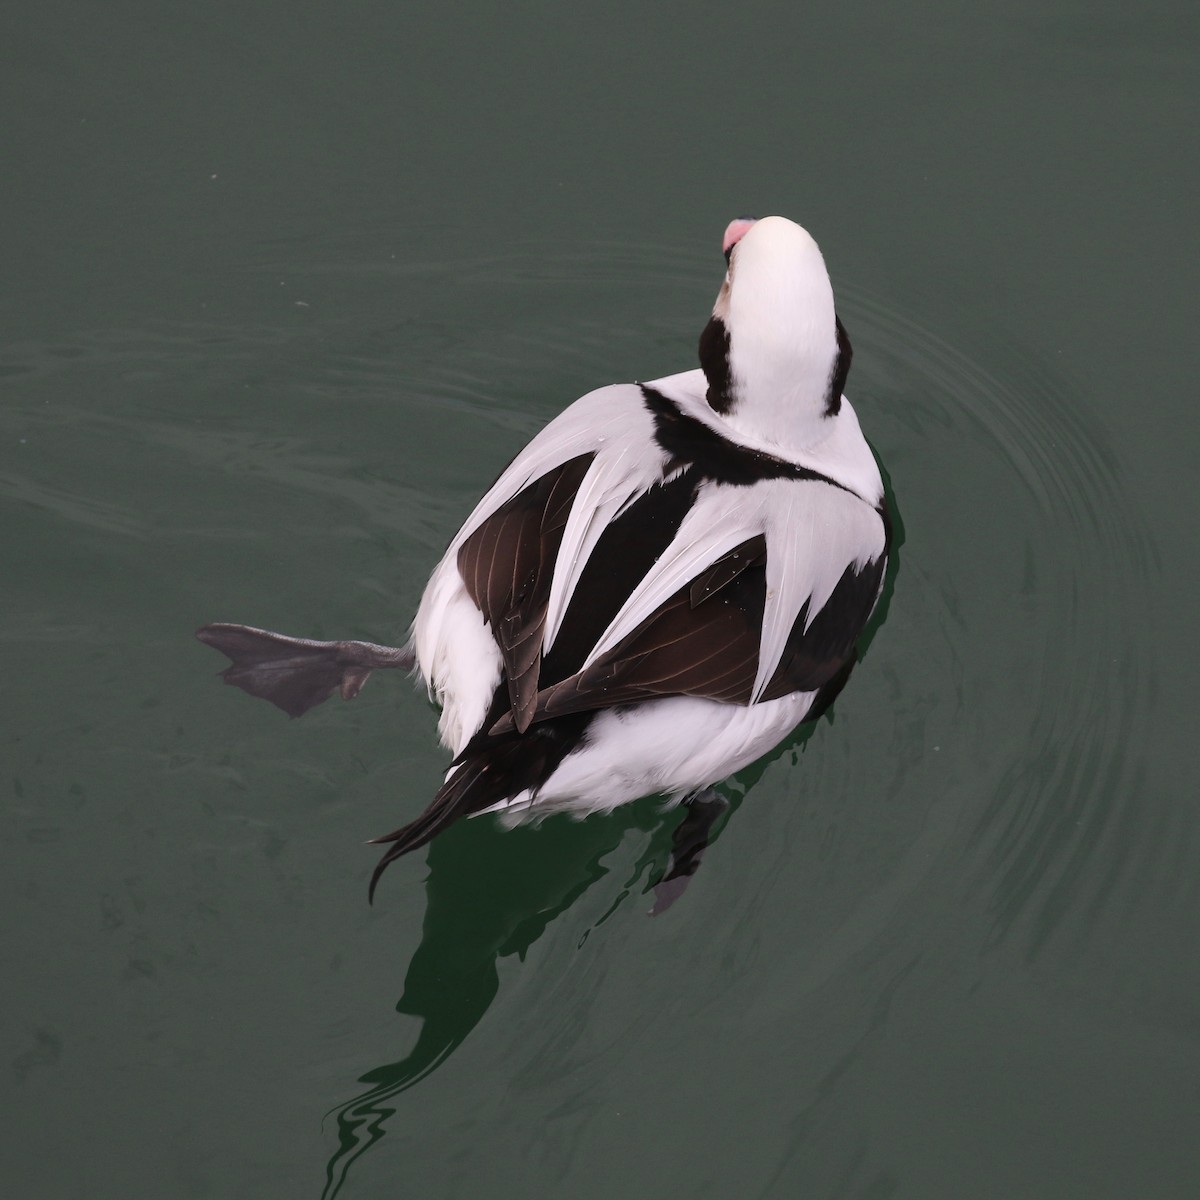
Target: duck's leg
{"points": [[297, 674], [704, 809]]}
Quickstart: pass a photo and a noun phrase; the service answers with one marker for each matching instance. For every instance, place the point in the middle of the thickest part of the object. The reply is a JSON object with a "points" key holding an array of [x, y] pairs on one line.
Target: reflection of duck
{"points": [[488, 896], [661, 585]]}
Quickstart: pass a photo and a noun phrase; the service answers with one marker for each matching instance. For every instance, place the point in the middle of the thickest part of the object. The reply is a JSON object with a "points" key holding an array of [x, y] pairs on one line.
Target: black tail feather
{"points": [[463, 793], [490, 770]]}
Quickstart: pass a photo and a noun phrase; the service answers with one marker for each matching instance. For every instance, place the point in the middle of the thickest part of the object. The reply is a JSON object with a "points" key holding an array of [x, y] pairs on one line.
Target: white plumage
{"points": [[674, 746], [664, 583], [779, 304]]}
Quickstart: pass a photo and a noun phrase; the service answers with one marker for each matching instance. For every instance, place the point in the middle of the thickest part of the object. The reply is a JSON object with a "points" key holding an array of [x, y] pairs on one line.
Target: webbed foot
{"points": [[296, 674], [688, 843]]}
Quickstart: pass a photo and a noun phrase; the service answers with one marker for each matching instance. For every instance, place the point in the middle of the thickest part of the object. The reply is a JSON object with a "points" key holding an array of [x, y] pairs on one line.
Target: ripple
{"points": [[990, 750], [1012, 630], [1042, 628], [1017, 644]]}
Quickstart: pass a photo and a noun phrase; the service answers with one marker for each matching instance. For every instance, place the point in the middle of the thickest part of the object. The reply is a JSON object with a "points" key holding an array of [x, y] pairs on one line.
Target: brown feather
{"points": [[507, 565], [703, 641]]}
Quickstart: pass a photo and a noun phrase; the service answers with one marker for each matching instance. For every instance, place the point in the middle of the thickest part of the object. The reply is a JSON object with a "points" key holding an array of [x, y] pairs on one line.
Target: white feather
{"points": [[778, 306], [457, 655], [579, 429], [628, 462], [715, 525], [675, 745], [843, 454], [814, 532], [456, 652]]}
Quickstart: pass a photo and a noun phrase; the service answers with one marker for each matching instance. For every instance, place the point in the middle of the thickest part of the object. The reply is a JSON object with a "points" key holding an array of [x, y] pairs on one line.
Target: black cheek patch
{"points": [[714, 361], [840, 372]]}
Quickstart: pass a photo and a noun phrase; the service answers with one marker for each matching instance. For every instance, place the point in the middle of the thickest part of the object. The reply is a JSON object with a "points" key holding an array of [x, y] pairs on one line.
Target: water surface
{"points": [[283, 291]]}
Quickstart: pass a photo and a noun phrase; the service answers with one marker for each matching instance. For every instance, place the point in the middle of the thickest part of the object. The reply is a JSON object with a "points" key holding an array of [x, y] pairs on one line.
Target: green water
{"points": [[283, 287]]}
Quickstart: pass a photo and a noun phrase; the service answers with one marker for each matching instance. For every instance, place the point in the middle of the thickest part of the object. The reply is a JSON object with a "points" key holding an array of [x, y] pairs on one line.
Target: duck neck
{"points": [[786, 399]]}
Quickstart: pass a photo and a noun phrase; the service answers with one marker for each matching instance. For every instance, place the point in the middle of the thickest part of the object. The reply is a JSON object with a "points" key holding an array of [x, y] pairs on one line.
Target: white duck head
{"points": [[774, 353]]}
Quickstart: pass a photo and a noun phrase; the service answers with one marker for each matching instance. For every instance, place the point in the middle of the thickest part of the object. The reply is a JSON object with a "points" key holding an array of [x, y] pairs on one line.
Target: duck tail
{"points": [[467, 790], [491, 770]]}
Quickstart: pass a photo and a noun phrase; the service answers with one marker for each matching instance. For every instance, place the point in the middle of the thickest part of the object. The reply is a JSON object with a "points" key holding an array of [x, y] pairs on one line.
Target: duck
{"points": [[667, 581]]}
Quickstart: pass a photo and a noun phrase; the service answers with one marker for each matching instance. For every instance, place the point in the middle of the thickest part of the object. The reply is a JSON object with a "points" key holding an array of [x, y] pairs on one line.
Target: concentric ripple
{"points": [[1037, 590], [989, 741], [987, 753]]}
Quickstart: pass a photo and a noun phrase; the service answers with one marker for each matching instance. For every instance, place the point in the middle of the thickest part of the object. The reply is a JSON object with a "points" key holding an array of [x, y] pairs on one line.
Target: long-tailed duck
{"points": [[663, 584]]}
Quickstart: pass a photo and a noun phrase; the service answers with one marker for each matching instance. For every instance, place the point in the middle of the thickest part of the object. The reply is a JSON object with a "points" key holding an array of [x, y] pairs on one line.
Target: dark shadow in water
{"points": [[491, 893]]}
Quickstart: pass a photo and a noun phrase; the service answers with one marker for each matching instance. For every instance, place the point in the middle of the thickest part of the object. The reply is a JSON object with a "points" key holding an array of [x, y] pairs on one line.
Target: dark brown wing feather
{"points": [[814, 656], [704, 641], [507, 565]]}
